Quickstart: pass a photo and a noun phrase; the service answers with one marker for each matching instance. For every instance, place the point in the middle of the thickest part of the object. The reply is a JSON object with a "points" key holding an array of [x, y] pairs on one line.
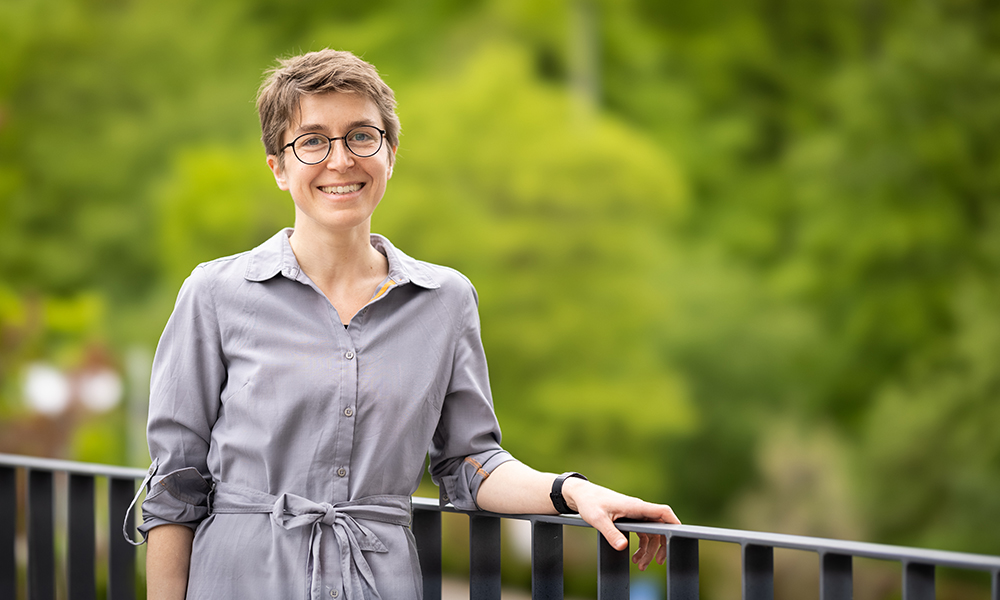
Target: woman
{"points": [[298, 387]]}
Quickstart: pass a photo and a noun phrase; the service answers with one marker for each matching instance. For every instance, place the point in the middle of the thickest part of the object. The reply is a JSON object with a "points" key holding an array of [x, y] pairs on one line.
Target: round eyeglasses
{"points": [[313, 148]]}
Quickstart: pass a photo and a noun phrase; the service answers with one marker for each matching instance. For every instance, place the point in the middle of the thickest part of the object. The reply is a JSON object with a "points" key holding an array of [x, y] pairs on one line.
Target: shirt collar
{"points": [[402, 268], [275, 256]]}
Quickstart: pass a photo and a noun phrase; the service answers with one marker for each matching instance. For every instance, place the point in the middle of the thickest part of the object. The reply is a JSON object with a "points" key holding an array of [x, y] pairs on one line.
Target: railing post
{"points": [[121, 554], [546, 561], [484, 557], [41, 534], [682, 568], [80, 545], [918, 581], [612, 571], [996, 585], [836, 576], [8, 532], [758, 572], [427, 531]]}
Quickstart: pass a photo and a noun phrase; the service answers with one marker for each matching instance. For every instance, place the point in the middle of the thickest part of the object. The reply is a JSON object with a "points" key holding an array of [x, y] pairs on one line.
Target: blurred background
{"points": [[740, 256]]}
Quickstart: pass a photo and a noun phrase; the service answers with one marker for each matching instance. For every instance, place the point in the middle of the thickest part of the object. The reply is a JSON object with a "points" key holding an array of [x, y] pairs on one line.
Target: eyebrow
{"points": [[307, 127]]}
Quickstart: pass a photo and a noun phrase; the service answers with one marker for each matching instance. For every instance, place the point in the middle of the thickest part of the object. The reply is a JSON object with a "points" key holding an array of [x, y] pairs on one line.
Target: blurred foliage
{"points": [[706, 236], [246, 207], [551, 271]]}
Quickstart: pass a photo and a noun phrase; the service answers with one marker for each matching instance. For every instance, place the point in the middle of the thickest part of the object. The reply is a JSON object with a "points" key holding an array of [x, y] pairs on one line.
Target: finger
{"points": [[644, 555], [647, 511], [640, 553], [661, 552], [661, 513], [669, 516], [607, 528]]}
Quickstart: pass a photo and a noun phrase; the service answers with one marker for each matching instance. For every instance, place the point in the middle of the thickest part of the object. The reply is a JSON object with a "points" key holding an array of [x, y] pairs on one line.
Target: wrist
{"points": [[562, 502], [571, 489]]}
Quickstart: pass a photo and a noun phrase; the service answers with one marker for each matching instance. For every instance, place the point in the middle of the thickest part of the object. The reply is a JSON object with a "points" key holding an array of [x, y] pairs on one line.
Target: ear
{"points": [[277, 171], [392, 160]]}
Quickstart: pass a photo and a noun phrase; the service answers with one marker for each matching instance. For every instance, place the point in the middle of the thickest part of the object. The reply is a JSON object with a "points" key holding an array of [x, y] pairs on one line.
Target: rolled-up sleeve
{"points": [[466, 444], [187, 378]]}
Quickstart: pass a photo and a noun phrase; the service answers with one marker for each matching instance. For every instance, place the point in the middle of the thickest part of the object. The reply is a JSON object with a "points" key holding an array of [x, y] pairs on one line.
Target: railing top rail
{"points": [[961, 560], [903, 554], [69, 466]]}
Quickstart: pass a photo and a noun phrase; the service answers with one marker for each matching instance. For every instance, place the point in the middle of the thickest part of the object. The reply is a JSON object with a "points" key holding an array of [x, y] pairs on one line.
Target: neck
{"points": [[337, 259]]}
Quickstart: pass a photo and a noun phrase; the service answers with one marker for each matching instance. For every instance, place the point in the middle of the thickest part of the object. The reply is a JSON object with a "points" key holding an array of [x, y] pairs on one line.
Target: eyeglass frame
{"points": [[331, 140]]}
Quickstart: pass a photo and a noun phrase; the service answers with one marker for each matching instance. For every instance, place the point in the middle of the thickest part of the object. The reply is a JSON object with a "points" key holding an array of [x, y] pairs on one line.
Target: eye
{"points": [[361, 136], [312, 142]]}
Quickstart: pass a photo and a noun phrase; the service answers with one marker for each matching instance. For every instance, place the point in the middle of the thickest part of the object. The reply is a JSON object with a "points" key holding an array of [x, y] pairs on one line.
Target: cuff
{"points": [[462, 487], [179, 497]]}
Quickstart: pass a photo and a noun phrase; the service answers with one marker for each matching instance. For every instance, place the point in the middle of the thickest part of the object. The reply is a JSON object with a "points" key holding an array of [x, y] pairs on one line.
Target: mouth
{"points": [[341, 189]]}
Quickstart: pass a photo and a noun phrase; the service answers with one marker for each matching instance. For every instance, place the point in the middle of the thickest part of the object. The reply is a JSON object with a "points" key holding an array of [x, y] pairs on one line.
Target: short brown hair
{"points": [[317, 73]]}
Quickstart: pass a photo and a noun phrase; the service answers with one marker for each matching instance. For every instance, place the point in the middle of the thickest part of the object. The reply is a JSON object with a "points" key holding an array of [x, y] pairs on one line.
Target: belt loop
{"points": [[211, 497]]}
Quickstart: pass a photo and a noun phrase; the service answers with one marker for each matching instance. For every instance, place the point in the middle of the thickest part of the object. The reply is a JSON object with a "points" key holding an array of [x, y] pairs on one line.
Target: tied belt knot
{"points": [[290, 511]]}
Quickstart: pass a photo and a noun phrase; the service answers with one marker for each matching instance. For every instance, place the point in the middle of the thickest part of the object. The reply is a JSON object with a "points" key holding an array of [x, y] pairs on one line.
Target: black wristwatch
{"points": [[557, 498]]}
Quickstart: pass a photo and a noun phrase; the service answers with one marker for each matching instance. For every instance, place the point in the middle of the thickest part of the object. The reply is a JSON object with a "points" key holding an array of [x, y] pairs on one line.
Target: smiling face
{"points": [[339, 194]]}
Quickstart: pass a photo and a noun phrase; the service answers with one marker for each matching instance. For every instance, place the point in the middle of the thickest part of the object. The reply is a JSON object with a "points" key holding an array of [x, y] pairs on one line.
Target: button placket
{"points": [[345, 403]]}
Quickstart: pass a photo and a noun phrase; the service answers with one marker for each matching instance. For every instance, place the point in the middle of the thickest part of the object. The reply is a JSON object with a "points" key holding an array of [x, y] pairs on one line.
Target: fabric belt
{"points": [[291, 511]]}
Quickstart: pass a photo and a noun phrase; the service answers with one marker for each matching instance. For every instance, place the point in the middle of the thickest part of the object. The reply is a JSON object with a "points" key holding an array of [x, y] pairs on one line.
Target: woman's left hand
{"points": [[600, 507]]}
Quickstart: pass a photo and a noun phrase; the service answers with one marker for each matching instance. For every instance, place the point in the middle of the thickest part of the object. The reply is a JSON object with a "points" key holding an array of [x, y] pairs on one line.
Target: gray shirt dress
{"points": [[291, 444]]}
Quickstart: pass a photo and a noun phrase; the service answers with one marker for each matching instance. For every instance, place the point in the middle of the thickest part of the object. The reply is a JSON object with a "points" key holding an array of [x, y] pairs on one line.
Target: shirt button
{"points": [[342, 472], [349, 355], [334, 593], [349, 411]]}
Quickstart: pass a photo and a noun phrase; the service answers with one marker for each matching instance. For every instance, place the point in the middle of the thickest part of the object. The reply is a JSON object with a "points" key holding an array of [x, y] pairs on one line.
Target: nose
{"points": [[340, 157]]}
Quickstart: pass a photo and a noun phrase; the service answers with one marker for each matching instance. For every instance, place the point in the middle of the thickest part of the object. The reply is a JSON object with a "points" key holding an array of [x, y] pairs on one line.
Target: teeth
{"points": [[340, 189]]}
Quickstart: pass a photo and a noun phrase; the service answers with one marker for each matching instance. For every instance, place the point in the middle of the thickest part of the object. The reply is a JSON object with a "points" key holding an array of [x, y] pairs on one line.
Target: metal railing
{"points": [[36, 510]]}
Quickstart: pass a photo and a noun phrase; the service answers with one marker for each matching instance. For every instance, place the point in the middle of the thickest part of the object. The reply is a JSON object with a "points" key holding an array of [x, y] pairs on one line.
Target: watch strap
{"points": [[556, 495]]}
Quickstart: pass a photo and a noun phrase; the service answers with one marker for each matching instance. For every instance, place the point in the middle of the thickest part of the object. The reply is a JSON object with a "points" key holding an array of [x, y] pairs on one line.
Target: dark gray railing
{"points": [[37, 512], [37, 509]]}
